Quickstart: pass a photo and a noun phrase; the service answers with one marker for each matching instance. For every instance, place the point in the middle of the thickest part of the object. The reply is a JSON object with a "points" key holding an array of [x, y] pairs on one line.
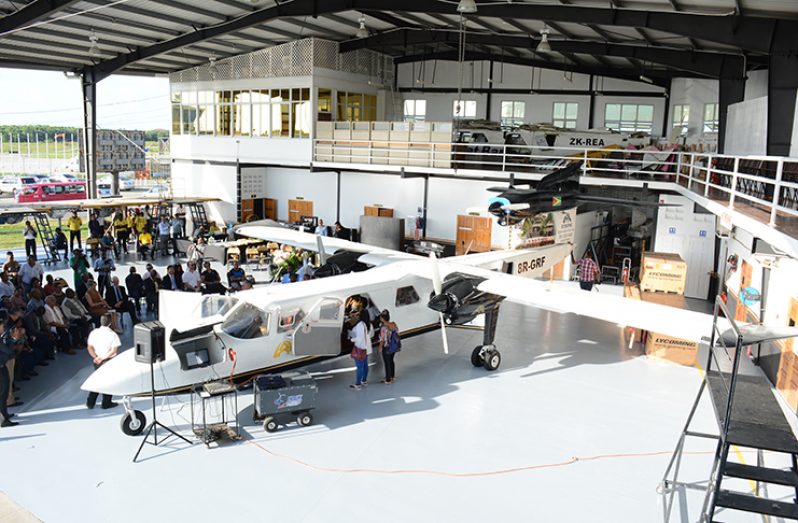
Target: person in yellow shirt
{"points": [[74, 223], [140, 221], [145, 244], [129, 220], [121, 229]]}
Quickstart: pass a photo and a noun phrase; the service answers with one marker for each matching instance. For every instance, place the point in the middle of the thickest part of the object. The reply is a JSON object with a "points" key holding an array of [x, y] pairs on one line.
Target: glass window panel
{"points": [[559, 110], [260, 119], [304, 94], [190, 97], [612, 112], [302, 119], [507, 109], [205, 119], [285, 120], [325, 100], [645, 113], [519, 109], [571, 110], [176, 96], [628, 112], [176, 119]]}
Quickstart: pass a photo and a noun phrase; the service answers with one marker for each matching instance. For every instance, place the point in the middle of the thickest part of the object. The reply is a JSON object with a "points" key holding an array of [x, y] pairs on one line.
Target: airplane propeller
{"points": [[437, 286], [322, 254], [516, 207]]}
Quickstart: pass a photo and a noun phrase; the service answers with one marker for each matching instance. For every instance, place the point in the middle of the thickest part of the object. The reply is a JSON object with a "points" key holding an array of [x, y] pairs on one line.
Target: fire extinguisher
{"points": [[627, 265]]}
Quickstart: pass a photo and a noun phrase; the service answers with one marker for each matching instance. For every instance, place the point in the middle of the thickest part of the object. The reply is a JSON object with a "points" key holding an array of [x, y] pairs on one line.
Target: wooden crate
{"points": [[662, 272], [787, 381], [632, 291], [473, 234], [375, 210]]}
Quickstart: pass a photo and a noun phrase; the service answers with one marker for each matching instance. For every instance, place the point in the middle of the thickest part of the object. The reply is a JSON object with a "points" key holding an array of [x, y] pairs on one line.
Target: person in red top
{"points": [[588, 272]]}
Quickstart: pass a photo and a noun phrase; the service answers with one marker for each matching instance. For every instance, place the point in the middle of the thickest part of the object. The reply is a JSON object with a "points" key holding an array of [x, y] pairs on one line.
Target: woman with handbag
{"points": [[361, 349]]}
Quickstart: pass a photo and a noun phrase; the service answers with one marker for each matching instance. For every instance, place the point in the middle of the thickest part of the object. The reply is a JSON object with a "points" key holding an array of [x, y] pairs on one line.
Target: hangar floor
{"points": [[573, 427]]}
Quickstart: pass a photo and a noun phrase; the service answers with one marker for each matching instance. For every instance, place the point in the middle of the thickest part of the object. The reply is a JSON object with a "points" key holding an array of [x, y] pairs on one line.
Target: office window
{"points": [[512, 113], [205, 112], [415, 110], [356, 107], [188, 108], [464, 109], [681, 117], [711, 120], [224, 112], [629, 118], [176, 124], [564, 114]]}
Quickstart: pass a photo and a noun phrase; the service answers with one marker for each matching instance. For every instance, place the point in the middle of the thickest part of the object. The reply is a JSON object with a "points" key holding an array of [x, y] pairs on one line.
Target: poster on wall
{"points": [[545, 229]]}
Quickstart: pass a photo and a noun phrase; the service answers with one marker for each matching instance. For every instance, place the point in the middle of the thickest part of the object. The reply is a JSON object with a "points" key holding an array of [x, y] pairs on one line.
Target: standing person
{"points": [[11, 266], [30, 239], [103, 345], [103, 267], [30, 271], [95, 229], [390, 344], [79, 264], [139, 221], [135, 287], [7, 353], [588, 272], [74, 223], [120, 226], [150, 281], [360, 351], [163, 236]]}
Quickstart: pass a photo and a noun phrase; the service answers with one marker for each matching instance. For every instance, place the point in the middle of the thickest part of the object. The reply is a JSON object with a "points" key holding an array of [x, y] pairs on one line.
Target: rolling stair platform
{"points": [[749, 416], [46, 238]]}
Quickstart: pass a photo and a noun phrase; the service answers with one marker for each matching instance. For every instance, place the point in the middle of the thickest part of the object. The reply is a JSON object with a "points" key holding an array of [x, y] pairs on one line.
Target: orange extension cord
{"points": [[498, 472]]}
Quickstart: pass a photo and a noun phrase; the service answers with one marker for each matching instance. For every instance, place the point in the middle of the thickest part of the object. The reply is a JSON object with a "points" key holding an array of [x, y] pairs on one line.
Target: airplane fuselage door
{"points": [[319, 333]]}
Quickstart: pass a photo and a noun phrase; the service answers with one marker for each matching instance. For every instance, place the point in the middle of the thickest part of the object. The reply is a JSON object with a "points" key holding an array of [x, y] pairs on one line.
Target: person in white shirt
{"points": [[163, 235], [321, 229], [191, 278], [361, 349], [6, 287], [28, 271], [58, 324], [102, 346], [30, 239]]}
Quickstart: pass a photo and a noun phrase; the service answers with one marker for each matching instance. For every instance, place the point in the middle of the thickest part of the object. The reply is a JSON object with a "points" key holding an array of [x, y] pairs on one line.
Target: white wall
{"points": [[756, 86], [696, 93], [358, 190], [287, 184], [690, 235], [747, 127], [283, 151], [191, 179]]}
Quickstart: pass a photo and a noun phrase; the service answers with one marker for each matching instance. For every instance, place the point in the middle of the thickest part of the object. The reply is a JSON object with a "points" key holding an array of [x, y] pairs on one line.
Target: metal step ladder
{"points": [[46, 236], [198, 216], [749, 416]]}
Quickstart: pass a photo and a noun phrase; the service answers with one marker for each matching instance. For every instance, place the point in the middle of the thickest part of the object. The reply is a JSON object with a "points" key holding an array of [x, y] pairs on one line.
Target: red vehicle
{"points": [[52, 192]]}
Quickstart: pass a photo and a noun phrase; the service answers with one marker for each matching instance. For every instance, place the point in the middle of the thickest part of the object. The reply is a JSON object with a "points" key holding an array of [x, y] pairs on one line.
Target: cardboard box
{"points": [[667, 347], [663, 272], [632, 291]]}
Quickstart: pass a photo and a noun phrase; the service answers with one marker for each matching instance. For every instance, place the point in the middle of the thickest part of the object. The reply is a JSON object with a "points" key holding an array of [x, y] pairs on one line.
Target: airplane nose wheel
{"points": [[486, 356], [133, 422]]}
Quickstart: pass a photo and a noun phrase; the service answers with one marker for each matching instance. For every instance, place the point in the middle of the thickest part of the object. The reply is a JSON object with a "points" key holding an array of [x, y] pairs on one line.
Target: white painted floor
{"points": [[572, 428]]}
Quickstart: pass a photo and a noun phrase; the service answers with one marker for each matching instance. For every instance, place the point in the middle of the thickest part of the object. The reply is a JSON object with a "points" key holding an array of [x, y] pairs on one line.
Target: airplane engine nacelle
{"points": [[460, 301]]}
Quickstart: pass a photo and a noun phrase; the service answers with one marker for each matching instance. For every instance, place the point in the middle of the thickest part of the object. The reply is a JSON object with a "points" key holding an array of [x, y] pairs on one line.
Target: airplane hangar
{"points": [[491, 146]]}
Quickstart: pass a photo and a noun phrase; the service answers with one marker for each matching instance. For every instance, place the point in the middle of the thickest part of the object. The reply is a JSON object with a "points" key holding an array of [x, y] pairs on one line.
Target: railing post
{"points": [[709, 171], [504, 158], [678, 165], [584, 163], [691, 172], [776, 191], [734, 181], [371, 152]]}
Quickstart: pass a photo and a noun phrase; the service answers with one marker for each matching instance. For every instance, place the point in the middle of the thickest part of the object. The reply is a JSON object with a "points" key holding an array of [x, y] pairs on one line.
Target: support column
{"points": [[782, 86], [731, 91], [666, 117], [591, 102], [89, 87]]}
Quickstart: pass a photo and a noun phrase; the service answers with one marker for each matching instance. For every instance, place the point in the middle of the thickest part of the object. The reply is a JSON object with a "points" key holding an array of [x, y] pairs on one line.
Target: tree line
{"points": [[50, 130]]}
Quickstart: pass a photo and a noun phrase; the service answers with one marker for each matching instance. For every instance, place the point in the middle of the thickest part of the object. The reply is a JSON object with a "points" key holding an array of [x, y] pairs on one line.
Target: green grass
{"points": [[11, 236], [40, 150]]}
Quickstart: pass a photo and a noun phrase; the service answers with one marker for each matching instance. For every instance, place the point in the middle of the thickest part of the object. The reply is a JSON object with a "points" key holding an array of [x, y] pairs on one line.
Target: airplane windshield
{"points": [[215, 304], [247, 322]]}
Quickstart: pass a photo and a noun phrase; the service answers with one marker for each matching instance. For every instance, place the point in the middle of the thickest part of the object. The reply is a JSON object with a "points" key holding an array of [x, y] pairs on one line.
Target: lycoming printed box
{"points": [[663, 272]]}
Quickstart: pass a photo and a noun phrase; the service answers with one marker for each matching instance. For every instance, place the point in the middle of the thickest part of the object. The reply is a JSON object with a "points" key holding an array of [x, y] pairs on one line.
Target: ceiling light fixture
{"points": [[362, 32], [467, 7], [212, 66], [94, 49], [644, 78], [543, 45]]}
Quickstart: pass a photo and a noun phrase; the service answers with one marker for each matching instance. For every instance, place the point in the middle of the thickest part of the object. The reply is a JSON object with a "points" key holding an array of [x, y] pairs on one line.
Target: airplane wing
{"points": [[305, 240]]}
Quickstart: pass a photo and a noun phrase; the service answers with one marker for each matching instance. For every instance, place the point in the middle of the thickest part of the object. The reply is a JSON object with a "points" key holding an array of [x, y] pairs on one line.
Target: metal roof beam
{"points": [[314, 27], [32, 12], [150, 15], [661, 79], [191, 9], [389, 18]]}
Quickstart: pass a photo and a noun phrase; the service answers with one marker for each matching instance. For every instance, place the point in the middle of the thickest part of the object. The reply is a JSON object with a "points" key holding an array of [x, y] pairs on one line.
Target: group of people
{"points": [[368, 325], [42, 316]]}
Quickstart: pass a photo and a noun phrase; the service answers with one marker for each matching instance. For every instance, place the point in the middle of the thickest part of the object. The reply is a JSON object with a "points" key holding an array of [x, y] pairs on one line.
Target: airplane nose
{"points": [[440, 303]]}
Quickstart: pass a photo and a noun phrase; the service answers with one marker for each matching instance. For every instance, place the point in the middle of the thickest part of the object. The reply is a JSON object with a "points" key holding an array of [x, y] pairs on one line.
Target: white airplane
{"points": [[209, 337]]}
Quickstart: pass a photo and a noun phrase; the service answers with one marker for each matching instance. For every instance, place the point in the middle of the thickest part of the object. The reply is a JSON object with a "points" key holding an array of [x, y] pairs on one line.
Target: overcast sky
{"points": [[44, 97]]}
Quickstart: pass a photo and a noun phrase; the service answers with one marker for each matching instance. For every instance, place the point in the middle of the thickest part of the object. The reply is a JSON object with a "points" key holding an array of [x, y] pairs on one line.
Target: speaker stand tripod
{"points": [[152, 428]]}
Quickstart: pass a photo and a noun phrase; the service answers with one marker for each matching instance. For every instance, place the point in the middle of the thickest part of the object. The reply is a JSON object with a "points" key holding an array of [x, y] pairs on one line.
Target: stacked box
{"points": [[662, 272]]}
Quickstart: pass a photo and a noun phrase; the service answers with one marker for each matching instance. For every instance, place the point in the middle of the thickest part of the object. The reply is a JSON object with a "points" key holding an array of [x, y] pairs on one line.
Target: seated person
{"points": [[211, 281], [191, 278], [77, 315], [49, 286], [35, 300], [98, 307], [173, 281], [60, 242], [107, 242], [145, 244], [40, 339], [119, 301], [235, 276], [11, 266], [7, 288], [59, 325], [135, 287]]}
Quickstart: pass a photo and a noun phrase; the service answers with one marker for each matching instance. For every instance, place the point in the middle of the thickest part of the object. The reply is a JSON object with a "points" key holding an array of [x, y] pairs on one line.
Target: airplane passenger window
{"points": [[329, 310], [406, 296], [247, 322], [290, 319], [215, 304]]}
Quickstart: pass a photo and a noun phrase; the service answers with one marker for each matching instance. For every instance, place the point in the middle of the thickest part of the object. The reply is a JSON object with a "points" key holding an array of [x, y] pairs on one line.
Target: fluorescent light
{"points": [[644, 78], [362, 32], [467, 7], [94, 49]]}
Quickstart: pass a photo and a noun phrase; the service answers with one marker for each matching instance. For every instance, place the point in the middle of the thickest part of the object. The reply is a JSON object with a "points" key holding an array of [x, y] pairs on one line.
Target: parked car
{"points": [[157, 190], [9, 184], [64, 177], [127, 184], [41, 178], [104, 189]]}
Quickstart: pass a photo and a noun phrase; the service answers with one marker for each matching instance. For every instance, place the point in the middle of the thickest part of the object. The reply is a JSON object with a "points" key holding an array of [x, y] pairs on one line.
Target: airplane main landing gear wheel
{"points": [[492, 359], [270, 424], [133, 422], [476, 356]]}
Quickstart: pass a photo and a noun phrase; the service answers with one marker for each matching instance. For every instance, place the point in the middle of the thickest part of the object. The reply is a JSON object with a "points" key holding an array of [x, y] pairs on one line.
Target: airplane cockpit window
{"points": [[290, 319], [247, 322], [406, 296], [212, 305]]}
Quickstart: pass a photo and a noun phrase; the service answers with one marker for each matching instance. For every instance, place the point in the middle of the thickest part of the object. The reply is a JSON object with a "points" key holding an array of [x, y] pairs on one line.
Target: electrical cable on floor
{"points": [[499, 472]]}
